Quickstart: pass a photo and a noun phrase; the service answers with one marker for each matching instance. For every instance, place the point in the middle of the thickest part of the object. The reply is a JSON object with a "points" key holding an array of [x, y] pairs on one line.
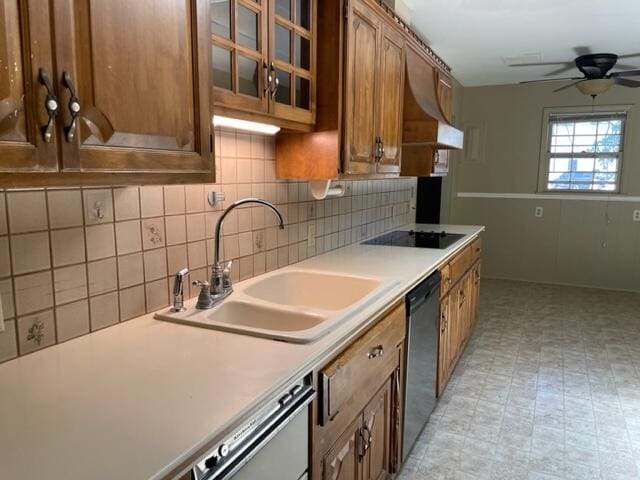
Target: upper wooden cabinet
{"points": [[359, 118], [131, 82], [264, 60], [444, 92], [27, 136], [390, 94]]}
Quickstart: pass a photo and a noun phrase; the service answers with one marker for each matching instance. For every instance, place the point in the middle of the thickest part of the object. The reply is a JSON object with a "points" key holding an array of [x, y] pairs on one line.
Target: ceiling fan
{"points": [[595, 68]]}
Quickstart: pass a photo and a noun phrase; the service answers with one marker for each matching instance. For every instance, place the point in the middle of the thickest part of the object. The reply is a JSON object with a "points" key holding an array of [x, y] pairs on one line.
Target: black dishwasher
{"points": [[423, 313]]}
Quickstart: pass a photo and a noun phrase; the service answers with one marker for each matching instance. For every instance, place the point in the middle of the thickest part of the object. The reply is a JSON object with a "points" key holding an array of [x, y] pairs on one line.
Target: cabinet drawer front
{"points": [[476, 249], [445, 279], [362, 363], [460, 264]]}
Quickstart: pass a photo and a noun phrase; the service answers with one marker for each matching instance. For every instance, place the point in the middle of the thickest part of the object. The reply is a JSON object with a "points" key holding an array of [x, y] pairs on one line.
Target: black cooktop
{"points": [[411, 238]]}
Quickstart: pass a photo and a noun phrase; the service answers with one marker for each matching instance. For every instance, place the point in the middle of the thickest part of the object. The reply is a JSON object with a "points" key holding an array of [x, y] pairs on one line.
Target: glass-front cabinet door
{"points": [[239, 31], [293, 59]]}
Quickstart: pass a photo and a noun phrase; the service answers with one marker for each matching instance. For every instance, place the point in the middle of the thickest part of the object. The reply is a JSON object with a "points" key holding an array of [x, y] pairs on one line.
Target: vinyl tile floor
{"points": [[548, 388]]}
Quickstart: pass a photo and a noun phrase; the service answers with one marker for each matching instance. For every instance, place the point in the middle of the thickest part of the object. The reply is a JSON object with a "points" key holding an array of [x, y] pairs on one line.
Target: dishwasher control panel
{"points": [[230, 455]]}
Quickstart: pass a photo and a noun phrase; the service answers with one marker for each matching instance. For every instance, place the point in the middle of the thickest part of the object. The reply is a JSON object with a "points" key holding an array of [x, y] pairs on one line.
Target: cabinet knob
{"points": [[376, 352]]}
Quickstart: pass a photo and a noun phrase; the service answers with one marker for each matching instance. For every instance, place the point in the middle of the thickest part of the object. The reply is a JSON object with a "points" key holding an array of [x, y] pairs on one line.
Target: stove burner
{"points": [[417, 239]]}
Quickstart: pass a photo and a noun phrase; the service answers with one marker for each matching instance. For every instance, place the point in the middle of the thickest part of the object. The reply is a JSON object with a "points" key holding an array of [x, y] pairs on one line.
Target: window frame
{"points": [[545, 147]]}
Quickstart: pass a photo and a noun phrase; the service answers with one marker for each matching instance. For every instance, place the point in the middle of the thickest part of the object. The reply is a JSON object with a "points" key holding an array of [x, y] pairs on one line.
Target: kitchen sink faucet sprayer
{"points": [[221, 286]]}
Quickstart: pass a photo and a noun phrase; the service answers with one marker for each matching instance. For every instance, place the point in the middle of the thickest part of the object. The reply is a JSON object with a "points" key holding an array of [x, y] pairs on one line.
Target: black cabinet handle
{"points": [[74, 108], [276, 81], [51, 105], [268, 79]]}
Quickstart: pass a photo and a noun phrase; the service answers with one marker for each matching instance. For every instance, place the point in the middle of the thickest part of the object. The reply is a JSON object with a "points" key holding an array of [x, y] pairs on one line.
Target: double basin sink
{"points": [[298, 306]]}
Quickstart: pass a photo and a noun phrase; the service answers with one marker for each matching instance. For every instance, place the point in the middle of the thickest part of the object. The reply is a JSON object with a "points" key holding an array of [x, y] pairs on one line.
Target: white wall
{"points": [[592, 243]]}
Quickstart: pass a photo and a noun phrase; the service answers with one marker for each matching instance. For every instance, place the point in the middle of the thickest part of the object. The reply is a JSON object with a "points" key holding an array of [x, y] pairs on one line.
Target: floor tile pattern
{"points": [[548, 388]]}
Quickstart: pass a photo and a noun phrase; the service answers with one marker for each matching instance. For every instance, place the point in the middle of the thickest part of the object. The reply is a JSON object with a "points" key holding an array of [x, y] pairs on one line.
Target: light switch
{"points": [[539, 212], [636, 215]]}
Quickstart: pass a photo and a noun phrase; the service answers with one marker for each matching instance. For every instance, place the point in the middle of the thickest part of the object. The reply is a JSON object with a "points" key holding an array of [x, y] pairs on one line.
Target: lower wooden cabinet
{"points": [[460, 298], [360, 438], [376, 435], [342, 462]]}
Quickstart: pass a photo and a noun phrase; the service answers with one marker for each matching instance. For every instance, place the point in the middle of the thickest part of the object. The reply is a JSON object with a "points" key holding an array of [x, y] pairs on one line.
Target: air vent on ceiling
{"points": [[522, 58]]}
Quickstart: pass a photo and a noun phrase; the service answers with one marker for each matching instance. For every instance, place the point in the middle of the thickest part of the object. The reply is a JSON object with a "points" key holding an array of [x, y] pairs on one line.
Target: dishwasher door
{"points": [[423, 311], [285, 457]]}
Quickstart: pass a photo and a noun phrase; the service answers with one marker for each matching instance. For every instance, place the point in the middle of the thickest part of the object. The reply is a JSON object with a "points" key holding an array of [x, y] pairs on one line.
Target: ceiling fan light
{"points": [[595, 86]]}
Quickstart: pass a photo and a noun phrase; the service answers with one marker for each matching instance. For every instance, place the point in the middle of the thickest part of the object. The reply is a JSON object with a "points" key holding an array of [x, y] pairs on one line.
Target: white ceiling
{"points": [[477, 37]]}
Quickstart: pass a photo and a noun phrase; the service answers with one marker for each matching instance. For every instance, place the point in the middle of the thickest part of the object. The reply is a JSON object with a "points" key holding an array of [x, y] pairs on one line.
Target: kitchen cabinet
{"points": [[358, 131], [342, 462], [358, 429], [373, 120], [425, 161], [263, 60], [444, 92], [376, 427], [131, 84], [428, 135], [459, 302], [28, 135]]}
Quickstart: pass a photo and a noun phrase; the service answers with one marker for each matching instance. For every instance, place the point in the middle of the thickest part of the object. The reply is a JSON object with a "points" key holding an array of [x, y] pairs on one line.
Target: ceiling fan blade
{"points": [[569, 86], [630, 55], [566, 68], [580, 51], [541, 64], [551, 80], [628, 73], [623, 66], [625, 82]]}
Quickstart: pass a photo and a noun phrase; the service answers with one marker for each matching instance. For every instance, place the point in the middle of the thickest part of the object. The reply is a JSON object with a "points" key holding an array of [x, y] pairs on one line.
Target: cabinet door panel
{"points": [[455, 328], [391, 100], [376, 434], [25, 47], [342, 462], [361, 89], [240, 52], [140, 71], [293, 53], [444, 343]]}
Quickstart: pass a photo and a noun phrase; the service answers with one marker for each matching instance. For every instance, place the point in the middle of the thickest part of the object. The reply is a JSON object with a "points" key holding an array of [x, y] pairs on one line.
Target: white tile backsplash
{"points": [[64, 271]]}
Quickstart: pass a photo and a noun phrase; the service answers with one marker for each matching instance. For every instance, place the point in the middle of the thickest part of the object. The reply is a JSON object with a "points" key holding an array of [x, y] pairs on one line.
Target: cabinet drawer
{"points": [[476, 249], [460, 264], [445, 279], [370, 358]]}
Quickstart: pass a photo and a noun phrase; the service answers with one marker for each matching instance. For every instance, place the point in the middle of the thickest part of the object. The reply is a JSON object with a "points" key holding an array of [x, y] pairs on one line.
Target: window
{"points": [[584, 151]]}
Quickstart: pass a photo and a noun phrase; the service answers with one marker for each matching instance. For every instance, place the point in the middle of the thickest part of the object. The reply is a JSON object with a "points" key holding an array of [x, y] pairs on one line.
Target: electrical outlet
{"points": [[636, 215], [311, 235], [539, 212]]}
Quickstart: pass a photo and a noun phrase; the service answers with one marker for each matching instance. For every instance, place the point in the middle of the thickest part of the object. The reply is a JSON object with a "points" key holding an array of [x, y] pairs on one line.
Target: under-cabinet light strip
{"points": [[264, 128]]}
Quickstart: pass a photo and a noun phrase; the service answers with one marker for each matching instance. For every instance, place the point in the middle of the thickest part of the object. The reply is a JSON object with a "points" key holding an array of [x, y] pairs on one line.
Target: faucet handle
{"points": [[226, 276], [205, 300]]}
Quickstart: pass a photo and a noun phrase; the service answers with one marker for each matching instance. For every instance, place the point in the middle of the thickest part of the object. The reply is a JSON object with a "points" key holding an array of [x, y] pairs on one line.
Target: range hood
{"points": [[425, 119]]}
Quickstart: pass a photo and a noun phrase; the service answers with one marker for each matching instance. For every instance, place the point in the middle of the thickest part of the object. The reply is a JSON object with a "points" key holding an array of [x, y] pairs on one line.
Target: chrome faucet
{"points": [[221, 286]]}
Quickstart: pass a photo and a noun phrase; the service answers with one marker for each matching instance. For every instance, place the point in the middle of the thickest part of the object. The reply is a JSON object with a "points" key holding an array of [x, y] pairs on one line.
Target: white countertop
{"points": [[136, 400]]}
